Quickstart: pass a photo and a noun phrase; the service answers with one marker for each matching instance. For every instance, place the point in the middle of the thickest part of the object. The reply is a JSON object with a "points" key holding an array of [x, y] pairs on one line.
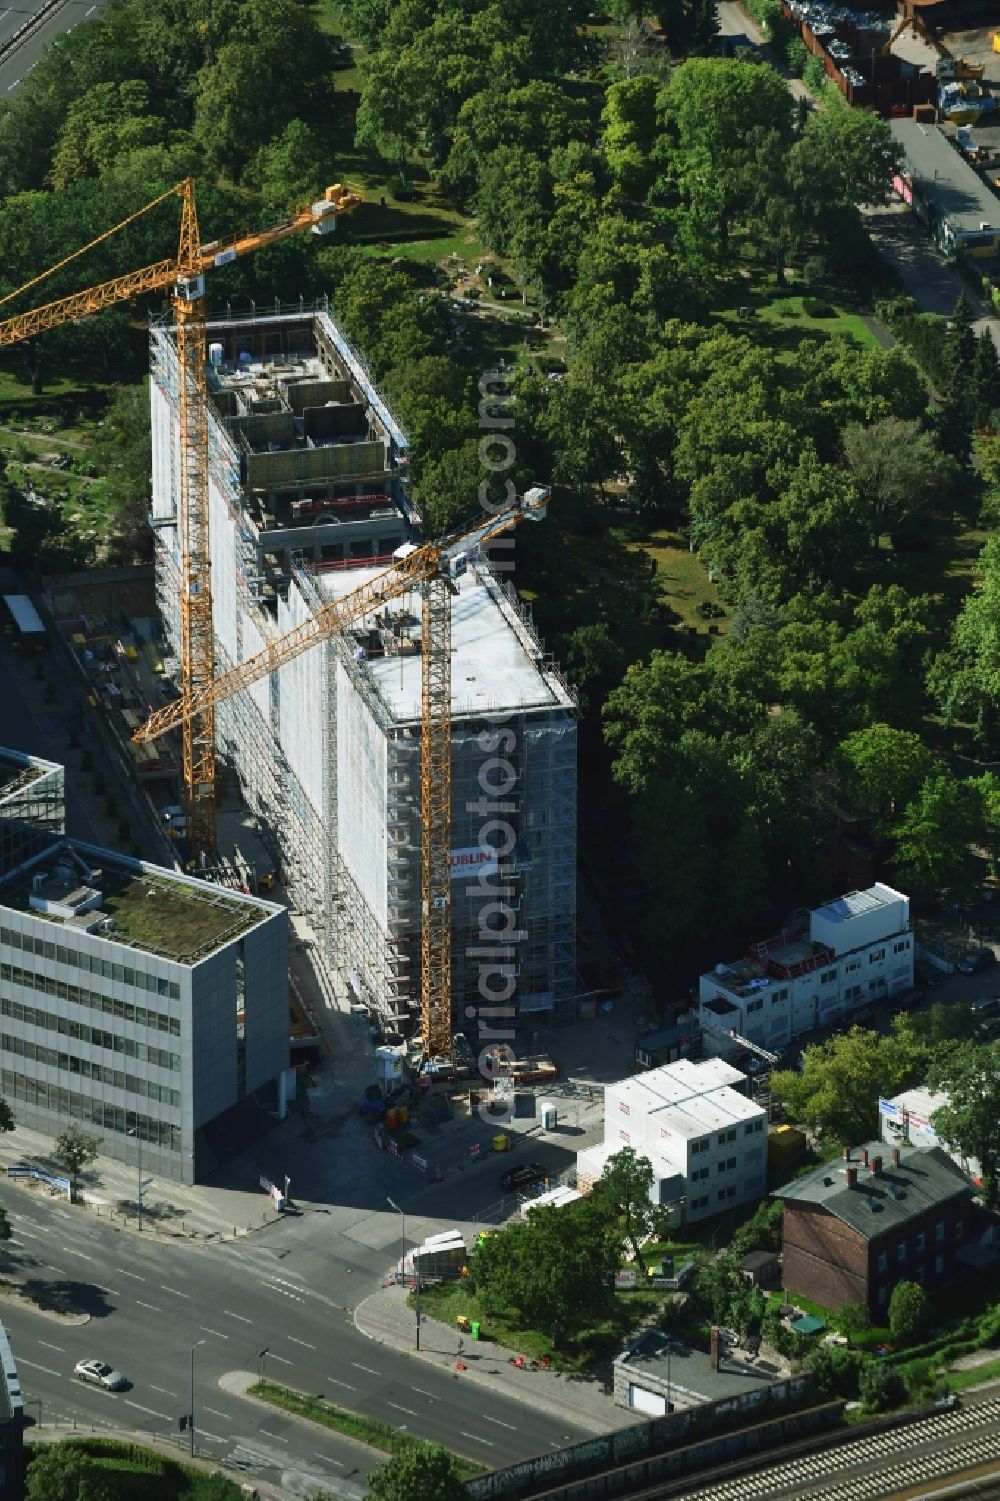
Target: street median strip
{"points": [[371, 1431]]}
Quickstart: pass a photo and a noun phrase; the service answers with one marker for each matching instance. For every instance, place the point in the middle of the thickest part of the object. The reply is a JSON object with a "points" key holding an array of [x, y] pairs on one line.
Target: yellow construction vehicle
{"points": [[185, 275]]}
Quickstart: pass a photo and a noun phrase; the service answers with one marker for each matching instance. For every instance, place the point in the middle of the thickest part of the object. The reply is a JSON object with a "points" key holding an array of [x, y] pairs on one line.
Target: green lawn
{"points": [[580, 1350], [960, 1380], [355, 1425], [778, 319], [682, 579]]}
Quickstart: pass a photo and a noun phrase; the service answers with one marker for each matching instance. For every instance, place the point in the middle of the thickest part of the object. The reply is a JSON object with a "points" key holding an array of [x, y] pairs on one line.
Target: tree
{"points": [[880, 1386], [840, 160], [556, 1268], [214, 1487], [969, 1123], [626, 1182], [418, 1469], [909, 1311], [935, 832], [75, 1149], [881, 768], [61, 1472], [834, 1370], [838, 1089], [7, 1121], [986, 382], [965, 679], [852, 1318], [593, 661], [629, 120], [898, 469]]}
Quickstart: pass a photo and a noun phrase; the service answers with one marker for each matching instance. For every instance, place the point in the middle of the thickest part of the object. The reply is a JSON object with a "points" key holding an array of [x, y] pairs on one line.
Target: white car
{"points": [[99, 1373]]}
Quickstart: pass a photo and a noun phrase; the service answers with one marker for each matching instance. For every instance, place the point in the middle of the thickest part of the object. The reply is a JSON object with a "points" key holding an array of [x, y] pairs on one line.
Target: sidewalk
{"points": [[170, 1211], [385, 1318]]}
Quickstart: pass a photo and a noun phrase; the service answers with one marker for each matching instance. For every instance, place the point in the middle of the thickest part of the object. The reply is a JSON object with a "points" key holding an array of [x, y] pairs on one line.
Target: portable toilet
{"points": [[548, 1114]]}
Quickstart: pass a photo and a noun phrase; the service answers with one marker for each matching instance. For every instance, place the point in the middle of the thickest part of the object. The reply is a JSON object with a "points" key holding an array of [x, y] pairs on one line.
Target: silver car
{"points": [[99, 1373]]}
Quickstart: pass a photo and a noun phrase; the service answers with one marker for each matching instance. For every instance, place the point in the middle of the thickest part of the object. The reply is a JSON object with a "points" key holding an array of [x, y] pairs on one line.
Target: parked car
{"points": [[525, 1176], [989, 1031], [976, 960], [863, 1018], [987, 1005], [99, 1373]]}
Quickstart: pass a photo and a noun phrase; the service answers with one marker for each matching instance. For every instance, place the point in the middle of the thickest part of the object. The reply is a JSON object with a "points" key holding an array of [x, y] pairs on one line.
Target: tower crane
{"points": [[428, 567], [185, 274]]}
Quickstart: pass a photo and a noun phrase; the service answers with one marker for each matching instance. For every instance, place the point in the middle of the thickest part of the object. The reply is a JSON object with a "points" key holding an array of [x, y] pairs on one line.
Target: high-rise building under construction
{"points": [[308, 495]]}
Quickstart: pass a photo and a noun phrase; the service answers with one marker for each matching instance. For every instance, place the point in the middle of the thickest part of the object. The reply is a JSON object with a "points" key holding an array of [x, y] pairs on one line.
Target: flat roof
{"points": [[856, 903], [152, 909], [18, 770], [496, 662], [688, 1369], [945, 178]]}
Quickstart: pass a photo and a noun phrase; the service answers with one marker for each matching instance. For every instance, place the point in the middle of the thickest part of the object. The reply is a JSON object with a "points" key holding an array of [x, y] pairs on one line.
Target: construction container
{"points": [[392, 1118], [548, 1115], [475, 1326], [786, 1147], [501, 1143], [403, 1114]]}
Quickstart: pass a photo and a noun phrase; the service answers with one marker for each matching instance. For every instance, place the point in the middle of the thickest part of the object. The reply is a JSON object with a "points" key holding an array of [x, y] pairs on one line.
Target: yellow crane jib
{"points": [[413, 565]]}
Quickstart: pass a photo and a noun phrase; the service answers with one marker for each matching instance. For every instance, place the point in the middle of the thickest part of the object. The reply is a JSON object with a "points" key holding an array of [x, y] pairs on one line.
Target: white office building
{"points": [[905, 1120], [135, 1000], [706, 1140], [851, 952]]}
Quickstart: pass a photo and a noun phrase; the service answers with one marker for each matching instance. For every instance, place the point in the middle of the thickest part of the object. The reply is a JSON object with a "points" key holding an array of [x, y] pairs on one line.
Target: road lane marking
{"points": [[165, 1289], [70, 1252], [359, 1367], [334, 1382], [303, 1342], [205, 1330], [112, 1292], [429, 1395], [134, 1275], [477, 1438], [215, 1412], [89, 12], [151, 1410], [271, 1356], [36, 1367], [499, 1422], [141, 1304], [396, 1408], [162, 1389], [329, 1459], [229, 1314], [203, 1433], [271, 1434], [58, 1348], [62, 1272]]}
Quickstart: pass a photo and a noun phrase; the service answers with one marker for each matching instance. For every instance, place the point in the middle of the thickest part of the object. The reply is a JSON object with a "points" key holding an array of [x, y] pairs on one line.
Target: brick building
{"points": [[854, 1228]]}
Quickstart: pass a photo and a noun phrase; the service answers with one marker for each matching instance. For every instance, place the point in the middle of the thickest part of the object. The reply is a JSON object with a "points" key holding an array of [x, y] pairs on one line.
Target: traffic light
{"points": [[182, 1422]]}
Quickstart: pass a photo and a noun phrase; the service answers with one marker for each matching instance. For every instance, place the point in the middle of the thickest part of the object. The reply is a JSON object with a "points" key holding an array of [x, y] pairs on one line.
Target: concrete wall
{"points": [[542, 1475]]}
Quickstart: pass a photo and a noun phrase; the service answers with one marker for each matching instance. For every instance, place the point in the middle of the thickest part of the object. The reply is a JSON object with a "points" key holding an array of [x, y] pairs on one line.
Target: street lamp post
{"points": [[261, 1358], [191, 1413], [402, 1260], [138, 1147], [402, 1235]]}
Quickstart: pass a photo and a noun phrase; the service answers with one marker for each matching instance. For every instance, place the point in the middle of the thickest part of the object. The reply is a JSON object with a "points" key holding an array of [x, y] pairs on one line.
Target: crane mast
{"points": [[435, 808], [197, 632], [185, 275], [429, 568]]}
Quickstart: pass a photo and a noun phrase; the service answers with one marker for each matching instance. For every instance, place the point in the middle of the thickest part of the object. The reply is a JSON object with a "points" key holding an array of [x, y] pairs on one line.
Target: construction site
{"points": [[350, 673], [308, 500]]}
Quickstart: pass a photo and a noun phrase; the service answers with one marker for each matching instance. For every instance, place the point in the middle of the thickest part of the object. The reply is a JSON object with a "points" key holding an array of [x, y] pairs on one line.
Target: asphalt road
{"points": [[151, 1302], [20, 62]]}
